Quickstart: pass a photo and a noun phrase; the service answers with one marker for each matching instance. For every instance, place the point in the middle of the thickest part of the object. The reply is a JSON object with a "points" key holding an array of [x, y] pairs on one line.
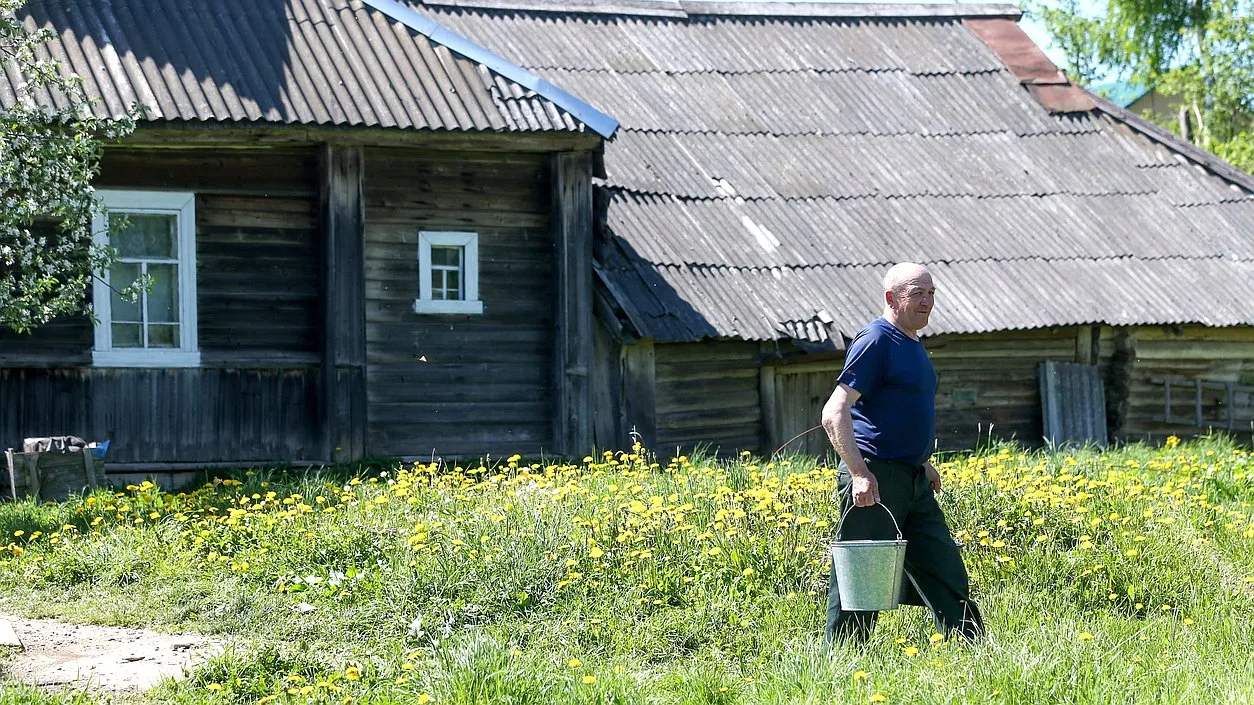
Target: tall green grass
{"points": [[1125, 576]]}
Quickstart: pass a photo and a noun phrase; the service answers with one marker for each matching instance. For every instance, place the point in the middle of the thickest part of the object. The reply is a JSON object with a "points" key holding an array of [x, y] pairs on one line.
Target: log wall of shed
{"points": [[1138, 359], [254, 398], [707, 395], [460, 384]]}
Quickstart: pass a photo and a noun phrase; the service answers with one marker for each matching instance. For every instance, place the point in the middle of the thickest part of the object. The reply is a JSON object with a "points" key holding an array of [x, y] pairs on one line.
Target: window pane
{"points": [[446, 256], [122, 275], [127, 335], [163, 297], [437, 284], [163, 336], [453, 285], [144, 234]]}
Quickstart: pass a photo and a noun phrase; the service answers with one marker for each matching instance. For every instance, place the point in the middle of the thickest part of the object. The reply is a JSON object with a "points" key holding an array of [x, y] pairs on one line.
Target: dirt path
{"points": [[112, 659]]}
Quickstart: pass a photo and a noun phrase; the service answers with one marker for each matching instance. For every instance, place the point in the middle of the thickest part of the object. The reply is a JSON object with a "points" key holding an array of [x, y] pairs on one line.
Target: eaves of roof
{"points": [[683, 9]]}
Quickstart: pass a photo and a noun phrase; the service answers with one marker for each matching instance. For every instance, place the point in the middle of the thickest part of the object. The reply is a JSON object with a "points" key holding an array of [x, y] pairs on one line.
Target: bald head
{"points": [[901, 274], [908, 296]]}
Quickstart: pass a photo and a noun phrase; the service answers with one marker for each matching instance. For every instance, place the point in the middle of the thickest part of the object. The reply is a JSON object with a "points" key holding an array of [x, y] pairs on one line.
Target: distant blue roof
{"points": [[1121, 93]]}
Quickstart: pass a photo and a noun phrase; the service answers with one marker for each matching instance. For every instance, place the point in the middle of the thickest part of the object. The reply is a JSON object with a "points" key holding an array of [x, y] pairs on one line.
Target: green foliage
{"points": [[49, 153], [1200, 52]]}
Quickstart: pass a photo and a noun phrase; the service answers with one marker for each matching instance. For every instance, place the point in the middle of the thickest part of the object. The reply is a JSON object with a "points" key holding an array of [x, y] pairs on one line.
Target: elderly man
{"points": [[882, 421]]}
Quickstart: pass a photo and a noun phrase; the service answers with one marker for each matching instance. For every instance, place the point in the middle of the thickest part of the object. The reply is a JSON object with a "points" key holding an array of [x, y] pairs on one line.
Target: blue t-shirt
{"points": [[895, 418]]}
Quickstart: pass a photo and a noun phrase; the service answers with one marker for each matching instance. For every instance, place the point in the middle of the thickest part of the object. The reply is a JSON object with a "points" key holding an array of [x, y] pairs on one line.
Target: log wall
{"points": [[258, 271], [707, 395], [460, 384]]}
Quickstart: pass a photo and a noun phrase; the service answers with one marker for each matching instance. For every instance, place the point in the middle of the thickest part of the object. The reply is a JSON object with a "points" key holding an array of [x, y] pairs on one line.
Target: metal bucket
{"points": [[869, 573]]}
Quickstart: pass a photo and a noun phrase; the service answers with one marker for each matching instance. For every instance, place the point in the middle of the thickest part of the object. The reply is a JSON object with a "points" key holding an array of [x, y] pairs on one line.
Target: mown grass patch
{"points": [[1104, 577]]}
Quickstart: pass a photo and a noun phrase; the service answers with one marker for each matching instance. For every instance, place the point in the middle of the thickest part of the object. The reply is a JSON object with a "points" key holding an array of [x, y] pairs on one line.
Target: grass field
{"points": [[1116, 577]]}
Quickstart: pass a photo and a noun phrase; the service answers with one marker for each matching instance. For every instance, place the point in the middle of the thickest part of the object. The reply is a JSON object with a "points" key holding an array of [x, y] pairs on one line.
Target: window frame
{"points": [[469, 242], [181, 204]]}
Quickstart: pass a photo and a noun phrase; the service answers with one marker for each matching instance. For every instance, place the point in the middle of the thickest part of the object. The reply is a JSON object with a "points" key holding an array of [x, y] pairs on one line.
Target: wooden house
{"points": [[775, 158], [368, 236]]}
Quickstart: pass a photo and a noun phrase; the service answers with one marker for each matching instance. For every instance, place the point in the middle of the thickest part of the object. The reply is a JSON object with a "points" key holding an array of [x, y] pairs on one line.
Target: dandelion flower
{"points": [[214, 687], [1085, 636], [878, 698], [911, 651], [574, 663], [936, 638], [589, 680], [424, 699], [860, 676]]}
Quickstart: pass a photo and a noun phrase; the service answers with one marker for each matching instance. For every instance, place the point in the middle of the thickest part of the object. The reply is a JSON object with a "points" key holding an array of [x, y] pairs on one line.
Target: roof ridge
{"points": [[687, 9], [904, 196]]}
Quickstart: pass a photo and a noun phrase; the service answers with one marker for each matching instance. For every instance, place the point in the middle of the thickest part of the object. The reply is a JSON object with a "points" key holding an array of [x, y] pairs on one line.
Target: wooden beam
{"points": [[572, 358], [344, 297], [767, 399], [185, 135], [640, 391]]}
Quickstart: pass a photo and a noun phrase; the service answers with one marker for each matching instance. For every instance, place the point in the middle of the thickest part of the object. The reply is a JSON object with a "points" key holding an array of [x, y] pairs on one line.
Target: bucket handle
{"points": [[841, 525]]}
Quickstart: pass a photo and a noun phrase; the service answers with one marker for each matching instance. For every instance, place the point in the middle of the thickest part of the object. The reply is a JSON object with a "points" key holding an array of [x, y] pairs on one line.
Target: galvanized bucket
{"points": [[869, 573]]}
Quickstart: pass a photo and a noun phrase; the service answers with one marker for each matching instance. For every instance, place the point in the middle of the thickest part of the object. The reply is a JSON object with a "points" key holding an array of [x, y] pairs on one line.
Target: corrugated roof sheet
{"points": [[310, 62], [768, 169]]}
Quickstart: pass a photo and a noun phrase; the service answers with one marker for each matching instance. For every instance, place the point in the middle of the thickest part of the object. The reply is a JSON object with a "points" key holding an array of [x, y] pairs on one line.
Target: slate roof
{"points": [[774, 159], [299, 62]]}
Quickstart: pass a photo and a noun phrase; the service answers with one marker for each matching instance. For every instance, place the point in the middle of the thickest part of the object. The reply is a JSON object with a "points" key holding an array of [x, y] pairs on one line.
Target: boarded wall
{"points": [[458, 384], [258, 261], [707, 395]]}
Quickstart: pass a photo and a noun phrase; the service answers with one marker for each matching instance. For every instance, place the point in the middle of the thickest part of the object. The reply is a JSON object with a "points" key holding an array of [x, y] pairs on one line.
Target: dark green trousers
{"points": [[935, 574]]}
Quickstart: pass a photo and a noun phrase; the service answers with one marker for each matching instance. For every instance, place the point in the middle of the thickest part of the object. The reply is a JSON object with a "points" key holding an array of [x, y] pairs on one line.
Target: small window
{"points": [[963, 396], [153, 233], [448, 273]]}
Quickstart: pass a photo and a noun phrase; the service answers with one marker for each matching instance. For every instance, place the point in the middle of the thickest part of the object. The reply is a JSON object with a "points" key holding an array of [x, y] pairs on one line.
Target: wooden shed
{"points": [[369, 236], [774, 159]]}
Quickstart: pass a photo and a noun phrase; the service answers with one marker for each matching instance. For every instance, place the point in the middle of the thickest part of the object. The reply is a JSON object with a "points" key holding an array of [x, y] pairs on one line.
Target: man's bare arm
{"points": [[838, 422]]}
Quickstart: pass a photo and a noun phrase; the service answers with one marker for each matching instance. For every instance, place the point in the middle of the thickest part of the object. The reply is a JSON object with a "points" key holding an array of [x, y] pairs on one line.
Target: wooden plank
{"points": [[606, 381], [639, 391], [768, 396], [344, 372], [572, 354]]}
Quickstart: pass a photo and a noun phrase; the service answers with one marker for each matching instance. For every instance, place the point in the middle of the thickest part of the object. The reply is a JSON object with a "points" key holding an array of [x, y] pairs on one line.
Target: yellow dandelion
{"points": [[589, 680], [1085, 636], [911, 651], [352, 673], [936, 638], [574, 663], [878, 698], [424, 699], [860, 676], [215, 687]]}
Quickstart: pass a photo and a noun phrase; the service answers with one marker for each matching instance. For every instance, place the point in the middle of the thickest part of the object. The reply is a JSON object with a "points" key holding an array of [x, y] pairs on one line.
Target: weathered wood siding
{"points": [[258, 272], [991, 379], [1137, 357], [458, 384], [985, 381], [707, 395]]}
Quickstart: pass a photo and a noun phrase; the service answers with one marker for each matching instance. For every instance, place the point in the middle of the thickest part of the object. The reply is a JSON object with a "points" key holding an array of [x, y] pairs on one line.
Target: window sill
{"points": [[144, 358], [431, 306]]}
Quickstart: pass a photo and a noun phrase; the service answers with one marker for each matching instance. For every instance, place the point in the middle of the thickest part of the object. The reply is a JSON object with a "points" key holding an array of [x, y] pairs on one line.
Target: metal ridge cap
{"points": [[596, 120], [685, 9], [640, 8], [883, 10]]}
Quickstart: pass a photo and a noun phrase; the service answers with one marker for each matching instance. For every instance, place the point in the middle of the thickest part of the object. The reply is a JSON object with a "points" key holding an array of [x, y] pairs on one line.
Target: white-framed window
{"points": [[448, 273], [154, 233]]}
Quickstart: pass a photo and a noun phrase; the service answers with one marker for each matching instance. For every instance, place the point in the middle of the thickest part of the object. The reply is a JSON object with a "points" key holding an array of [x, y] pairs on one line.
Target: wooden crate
{"points": [[50, 476]]}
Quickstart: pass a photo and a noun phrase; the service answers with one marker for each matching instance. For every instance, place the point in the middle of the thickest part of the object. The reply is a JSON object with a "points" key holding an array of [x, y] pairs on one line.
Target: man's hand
{"points": [[866, 489], [933, 476]]}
